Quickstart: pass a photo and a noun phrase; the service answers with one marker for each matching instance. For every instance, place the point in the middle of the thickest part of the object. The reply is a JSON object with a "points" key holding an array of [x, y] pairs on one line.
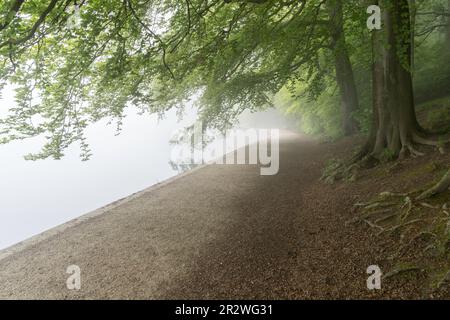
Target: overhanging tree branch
{"points": [[35, 27], [15, 8]]}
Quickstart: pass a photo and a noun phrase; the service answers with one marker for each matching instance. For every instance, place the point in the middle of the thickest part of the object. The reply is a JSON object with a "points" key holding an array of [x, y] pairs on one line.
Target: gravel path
{"points": [[220, 232]]}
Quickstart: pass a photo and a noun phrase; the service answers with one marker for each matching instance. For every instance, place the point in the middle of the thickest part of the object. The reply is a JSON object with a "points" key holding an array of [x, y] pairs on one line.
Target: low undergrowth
{"points": [[398, 202]]}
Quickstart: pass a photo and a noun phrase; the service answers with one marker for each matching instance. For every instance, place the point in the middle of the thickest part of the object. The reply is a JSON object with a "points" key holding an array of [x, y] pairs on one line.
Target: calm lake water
{"points": [[36, 196]]}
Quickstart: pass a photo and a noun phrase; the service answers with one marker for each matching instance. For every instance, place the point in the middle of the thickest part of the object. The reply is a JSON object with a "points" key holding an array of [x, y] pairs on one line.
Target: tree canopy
{"points": [[156, 55]]}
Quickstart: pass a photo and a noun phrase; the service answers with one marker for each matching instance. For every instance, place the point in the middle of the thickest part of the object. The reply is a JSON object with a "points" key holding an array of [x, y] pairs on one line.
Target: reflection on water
{"points": [[182, 167]]}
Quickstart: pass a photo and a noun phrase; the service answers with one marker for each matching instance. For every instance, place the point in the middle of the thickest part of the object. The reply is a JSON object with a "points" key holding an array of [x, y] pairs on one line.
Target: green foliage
{"points": [[319, 116], [432, 56], [388, 155], [155, 55]]}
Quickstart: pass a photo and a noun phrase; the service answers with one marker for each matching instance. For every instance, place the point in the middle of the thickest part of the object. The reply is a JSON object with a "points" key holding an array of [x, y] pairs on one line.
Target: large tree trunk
{"points": [[413, 13], [397, 126], [448, 25], [394, 124], [344, 72]]}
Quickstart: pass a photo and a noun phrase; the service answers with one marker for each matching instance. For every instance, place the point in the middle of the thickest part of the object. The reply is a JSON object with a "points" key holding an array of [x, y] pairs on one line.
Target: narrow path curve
{"points": [[223, 231]]}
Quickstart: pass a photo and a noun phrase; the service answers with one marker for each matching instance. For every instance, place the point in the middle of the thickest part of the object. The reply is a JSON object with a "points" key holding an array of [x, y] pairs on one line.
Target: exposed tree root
{"points": [[418, 234], [399, 226], [427, 205], [438, 142], [401, 270], [376, 151], [408, 205], [376, 204], [429, 139], [445, 279], [378, 212], [348, 170], [373, 225], [383, 219], [387, 194], [442, 186], [368, 215], [411, 242], [412, 151]]}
